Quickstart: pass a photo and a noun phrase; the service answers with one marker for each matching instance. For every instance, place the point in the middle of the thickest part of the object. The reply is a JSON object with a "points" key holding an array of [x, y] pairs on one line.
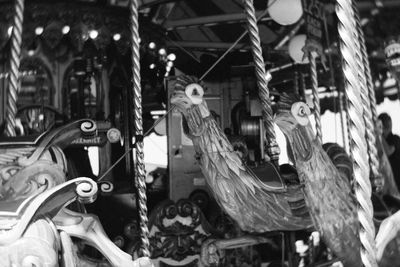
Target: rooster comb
{"points": [[287, 100], [184, 80]]}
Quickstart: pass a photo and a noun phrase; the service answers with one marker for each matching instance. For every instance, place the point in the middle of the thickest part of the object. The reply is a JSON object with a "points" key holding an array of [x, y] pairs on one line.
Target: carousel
{"points": [[238, 89]]}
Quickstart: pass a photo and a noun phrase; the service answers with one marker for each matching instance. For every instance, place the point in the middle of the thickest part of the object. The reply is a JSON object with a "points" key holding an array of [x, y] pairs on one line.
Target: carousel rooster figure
{"points": [[251, 202], [326, 187]]}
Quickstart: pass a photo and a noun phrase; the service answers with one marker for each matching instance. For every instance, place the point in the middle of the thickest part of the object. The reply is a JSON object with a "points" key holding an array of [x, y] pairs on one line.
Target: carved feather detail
{"points": [[243, 195]]}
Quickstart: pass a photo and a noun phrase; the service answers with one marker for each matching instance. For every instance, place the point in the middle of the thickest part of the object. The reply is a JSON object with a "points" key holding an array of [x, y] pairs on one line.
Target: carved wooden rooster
{"points": [[327, 189], [253, 204]]}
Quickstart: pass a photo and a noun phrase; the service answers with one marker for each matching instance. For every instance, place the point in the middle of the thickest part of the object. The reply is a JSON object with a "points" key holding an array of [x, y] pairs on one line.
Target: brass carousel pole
{"points": [[262, 82], [137, 95], [348, 36], [314, 88], [15, 60], [369, 102]]}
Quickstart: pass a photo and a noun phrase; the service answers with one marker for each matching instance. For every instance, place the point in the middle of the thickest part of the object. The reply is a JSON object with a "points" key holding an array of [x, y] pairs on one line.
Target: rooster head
{"points": [[188, 99], [292, 119]]}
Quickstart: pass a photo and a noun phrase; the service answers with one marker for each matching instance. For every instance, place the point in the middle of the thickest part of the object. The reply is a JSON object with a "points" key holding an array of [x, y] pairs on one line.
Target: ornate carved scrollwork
{"points": [[35, 226], [177, 230]]}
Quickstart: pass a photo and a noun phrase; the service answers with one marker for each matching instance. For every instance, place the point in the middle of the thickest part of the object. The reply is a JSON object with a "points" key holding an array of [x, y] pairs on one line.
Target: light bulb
{"points": [[9, 30], [39, 30], [117, 37], [171, 57], [162, 51], [152, 45], [93, 34], [65, 29]]}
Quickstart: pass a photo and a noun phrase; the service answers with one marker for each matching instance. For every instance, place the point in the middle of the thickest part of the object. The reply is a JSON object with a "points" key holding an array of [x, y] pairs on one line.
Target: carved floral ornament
{"points": [[57, 28]]}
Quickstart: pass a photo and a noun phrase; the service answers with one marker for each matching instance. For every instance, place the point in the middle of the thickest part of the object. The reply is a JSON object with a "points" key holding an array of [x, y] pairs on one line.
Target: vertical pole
{"points": [[137, 98], [15, 60], [369, 103], [262, 82], [314, 85], [358, 146], [343, 120]]}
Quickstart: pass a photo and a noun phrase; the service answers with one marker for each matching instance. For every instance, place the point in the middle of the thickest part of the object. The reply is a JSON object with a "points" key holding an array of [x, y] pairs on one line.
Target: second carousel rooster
{"points": [[254, 205], [326, 182]]}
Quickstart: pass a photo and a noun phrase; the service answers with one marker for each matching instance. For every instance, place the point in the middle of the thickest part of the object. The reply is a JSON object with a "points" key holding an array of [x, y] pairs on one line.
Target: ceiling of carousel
{"points": [[200, 32]]}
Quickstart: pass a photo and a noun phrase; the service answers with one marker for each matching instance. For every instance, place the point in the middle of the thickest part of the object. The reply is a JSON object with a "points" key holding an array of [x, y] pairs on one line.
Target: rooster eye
{"points": [[195, 93], [302, 112]]}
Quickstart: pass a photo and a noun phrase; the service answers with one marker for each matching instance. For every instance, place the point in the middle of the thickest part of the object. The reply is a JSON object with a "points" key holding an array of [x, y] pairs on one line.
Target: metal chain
{"points": [[369, 102], [314, 85], [273, 148], [15, 60], [363, 190], [137, 95]]}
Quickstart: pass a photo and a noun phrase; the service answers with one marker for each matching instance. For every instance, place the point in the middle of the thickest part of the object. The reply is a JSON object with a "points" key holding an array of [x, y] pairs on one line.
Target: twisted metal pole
{"points": [[353, 87], [15, 60], [137, 95], [369, 102], [317, 108], [262, 82], [343, 119]]}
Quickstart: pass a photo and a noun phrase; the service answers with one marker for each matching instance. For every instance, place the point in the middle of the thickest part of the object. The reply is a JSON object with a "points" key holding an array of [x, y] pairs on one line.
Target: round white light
{"points": [[149, 179], [285, 12], [168, 68], [66, 29], [93, 34], [171, 57], [152, 45], [152, 66], [170, 64], [162, 51], [113, 135], [296, 45], [39, 30], [117, 37], [9, 30]]}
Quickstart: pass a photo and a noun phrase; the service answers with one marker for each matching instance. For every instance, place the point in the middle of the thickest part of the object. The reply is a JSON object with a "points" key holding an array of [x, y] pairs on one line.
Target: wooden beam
{"points": [[206, 45], [208, 20]]}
